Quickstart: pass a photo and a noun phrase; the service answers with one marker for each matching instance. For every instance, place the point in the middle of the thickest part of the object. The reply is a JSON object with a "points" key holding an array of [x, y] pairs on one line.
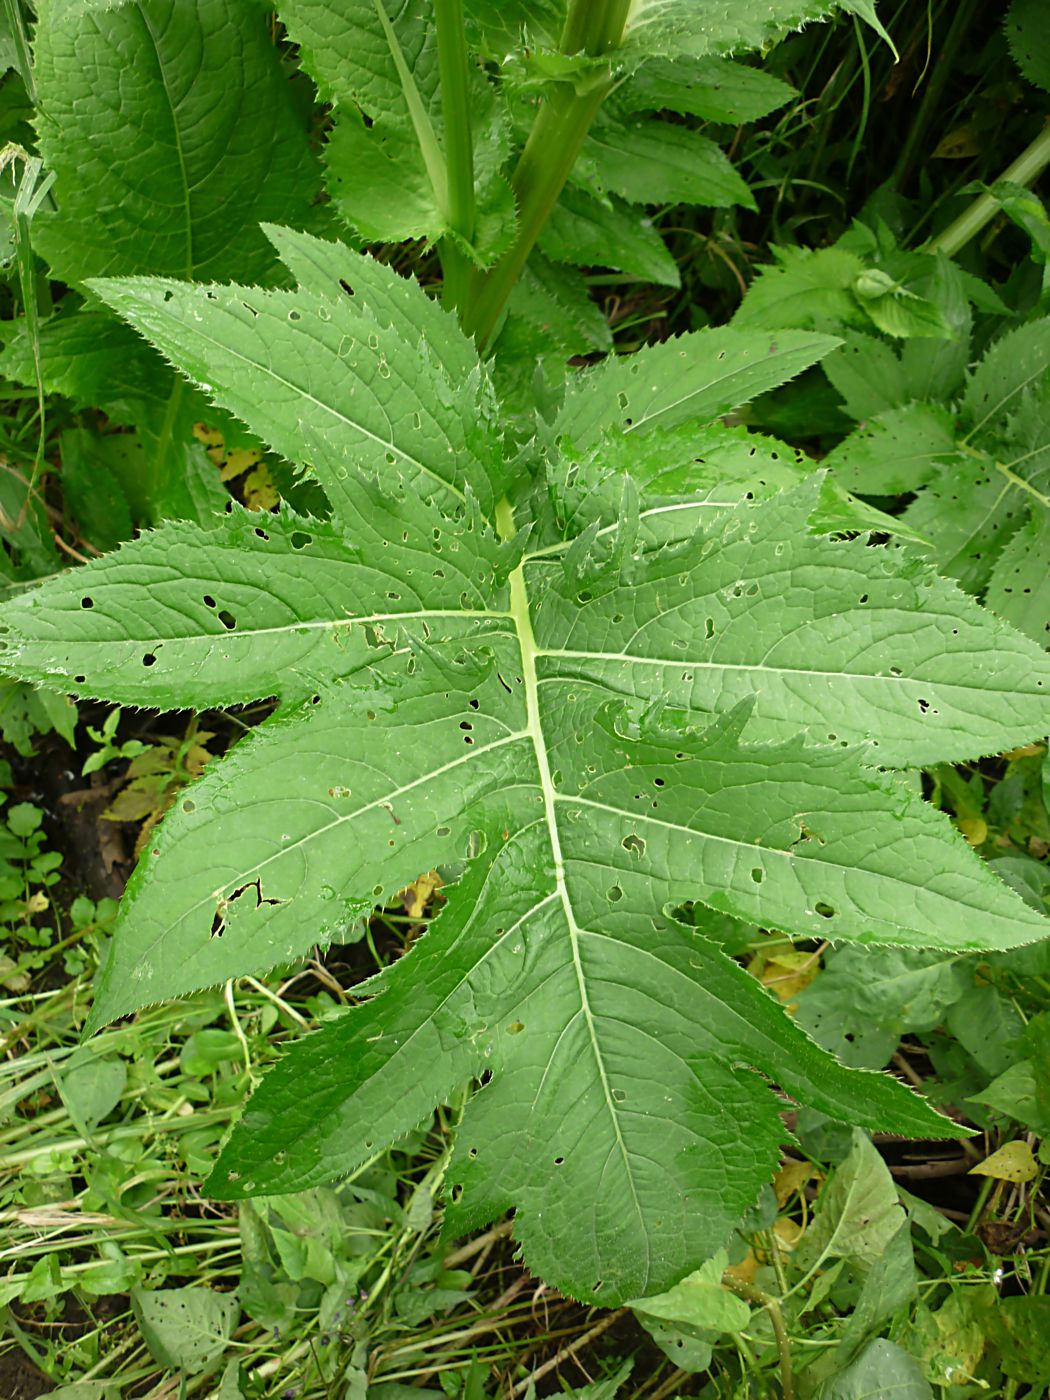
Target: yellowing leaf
{"points": [[259, 490], [957, 145], [787, 1231], [238, 462], [786, 972], [790, 1180], [975, 829], [1025, 751], [1013, 1162], [417, 896], [210, 437], [747, 1268]]}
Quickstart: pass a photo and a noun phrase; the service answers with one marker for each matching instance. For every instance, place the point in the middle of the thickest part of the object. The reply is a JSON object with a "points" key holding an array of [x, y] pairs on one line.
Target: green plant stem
{"points": [[1026, 169], [751, 1294], [459, 146], [558, 132]]}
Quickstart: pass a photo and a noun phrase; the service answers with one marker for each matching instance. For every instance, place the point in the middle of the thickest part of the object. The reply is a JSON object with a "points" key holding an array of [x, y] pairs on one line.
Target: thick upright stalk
{"points": [[559, 130], [1025, 170], [453, 64]]}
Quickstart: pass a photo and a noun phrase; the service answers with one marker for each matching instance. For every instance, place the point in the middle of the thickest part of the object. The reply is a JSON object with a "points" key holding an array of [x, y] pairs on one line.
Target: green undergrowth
{"points": [[925, 1265]]}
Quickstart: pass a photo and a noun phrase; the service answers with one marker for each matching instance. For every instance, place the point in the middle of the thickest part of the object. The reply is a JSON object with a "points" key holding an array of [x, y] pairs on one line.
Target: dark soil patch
{"points": [[20, 1379]]}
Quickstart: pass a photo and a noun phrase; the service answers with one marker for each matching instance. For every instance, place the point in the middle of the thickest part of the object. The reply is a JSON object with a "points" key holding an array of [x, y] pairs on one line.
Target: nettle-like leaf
{"points": [[172, 131], [695, 28], [645, 702], [981, 474], [1027, 39], [155, 107], [715, 89]]}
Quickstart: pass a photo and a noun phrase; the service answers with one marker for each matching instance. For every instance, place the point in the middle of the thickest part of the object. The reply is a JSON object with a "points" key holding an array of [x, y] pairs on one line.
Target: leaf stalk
{"points": [[558, 132], [751, 1294]]}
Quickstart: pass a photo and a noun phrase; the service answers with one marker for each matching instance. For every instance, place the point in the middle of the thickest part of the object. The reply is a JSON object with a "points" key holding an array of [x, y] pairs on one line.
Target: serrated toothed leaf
{"points": [[593, 732]]}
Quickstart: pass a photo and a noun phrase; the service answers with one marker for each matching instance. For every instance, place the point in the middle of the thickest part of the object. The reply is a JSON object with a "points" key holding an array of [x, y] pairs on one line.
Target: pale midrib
{"points": [[712, 384], [553, 549], [519, 606], [688, 662], [320, 624], [180, 153]]}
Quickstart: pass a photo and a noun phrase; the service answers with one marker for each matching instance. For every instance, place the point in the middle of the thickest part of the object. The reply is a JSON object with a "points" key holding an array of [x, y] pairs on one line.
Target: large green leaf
{"points": [[346, 382], [172, 131], [713, 88], [678, 28], [260, 604], [544, 972], [594, 725], [654, 162], [694, 377]]}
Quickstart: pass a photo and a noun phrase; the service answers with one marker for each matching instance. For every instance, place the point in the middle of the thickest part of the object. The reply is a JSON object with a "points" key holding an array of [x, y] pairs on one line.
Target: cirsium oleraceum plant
{"points": [[639, 661]]}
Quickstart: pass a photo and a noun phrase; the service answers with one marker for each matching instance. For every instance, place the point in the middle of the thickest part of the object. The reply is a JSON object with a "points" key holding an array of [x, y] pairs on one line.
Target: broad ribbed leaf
{"points": [[655, 162], [713, 88], [554, 971], [91, 358], [338, 381], [260, 605], [619, 1048], [699, 377], [172, 132], [896, 451], [633, 720]]}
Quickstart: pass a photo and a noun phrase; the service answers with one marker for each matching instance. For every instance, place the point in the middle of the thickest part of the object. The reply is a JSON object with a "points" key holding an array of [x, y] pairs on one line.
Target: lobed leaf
{"points": [[326, 380], [259, 605], [552, 970], [698, 376], [333, 807], [837, 638]]}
